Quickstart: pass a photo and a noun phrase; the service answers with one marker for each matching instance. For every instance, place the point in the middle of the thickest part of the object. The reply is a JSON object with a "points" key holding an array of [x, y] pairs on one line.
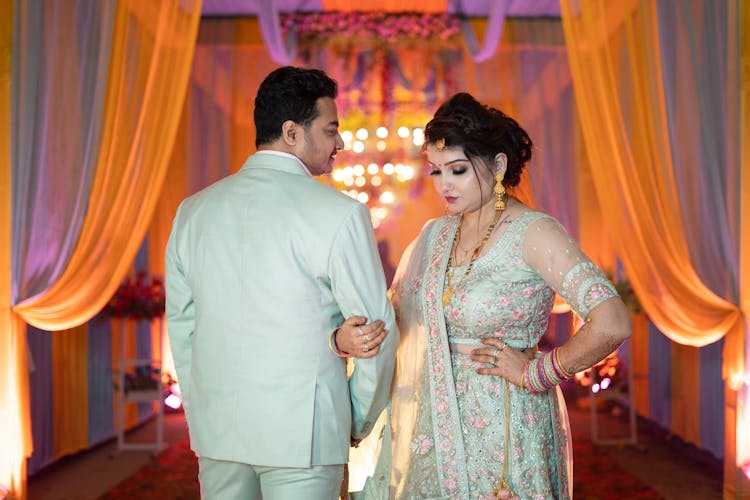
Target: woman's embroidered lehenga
{"points": [[446, 435]]}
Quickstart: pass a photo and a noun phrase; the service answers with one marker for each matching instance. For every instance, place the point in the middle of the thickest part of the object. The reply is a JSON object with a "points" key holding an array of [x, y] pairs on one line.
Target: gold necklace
{"points": [[450, 290]]}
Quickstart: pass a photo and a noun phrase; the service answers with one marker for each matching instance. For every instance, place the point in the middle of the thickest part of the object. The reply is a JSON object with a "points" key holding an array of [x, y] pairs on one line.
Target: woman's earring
{"points": [[499, 193]]}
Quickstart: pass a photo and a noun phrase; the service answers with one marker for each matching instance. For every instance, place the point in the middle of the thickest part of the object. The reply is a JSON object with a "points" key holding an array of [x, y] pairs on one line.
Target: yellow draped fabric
{"points": [[741, 437], [685, 389], [152, 48], [614, 53], [15, 430], [634, 170], [71, 390], [639, 347]]}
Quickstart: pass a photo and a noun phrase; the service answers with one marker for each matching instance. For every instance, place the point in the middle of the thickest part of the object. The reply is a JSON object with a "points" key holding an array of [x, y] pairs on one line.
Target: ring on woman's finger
{"points": [[366, 348], [367, 338], [361, 333]]}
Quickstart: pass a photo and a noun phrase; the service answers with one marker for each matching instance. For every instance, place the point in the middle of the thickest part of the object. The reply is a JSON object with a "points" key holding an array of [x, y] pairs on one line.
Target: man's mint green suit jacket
{"points": [[260, 267]]}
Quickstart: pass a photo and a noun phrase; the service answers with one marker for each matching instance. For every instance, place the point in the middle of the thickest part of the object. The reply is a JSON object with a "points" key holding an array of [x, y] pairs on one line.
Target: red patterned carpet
{"points": [[173, 475]]}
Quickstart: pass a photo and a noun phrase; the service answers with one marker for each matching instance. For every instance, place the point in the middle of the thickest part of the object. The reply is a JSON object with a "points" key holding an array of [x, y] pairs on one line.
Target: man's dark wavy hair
{"points": [[289, 93]]}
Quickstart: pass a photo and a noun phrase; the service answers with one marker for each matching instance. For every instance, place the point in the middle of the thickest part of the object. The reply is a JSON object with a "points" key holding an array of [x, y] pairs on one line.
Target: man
{"points": [[261, 267]]}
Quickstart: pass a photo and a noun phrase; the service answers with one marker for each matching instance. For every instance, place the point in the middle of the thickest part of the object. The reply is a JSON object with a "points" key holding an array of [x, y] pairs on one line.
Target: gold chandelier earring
{"points": [[499, 193]]}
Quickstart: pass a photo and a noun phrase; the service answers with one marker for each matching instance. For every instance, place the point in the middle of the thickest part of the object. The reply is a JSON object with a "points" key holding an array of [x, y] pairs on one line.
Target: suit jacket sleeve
{"points": [[180, 310], [358, 287]]}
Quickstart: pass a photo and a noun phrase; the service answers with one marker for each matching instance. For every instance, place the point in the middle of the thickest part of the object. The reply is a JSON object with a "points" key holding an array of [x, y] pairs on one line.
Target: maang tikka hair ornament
{"points": [[440, 144], [499, 193]]}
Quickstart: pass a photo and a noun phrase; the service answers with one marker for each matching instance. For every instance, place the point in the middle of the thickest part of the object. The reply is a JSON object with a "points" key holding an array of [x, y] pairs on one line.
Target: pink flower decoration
{"points": [[446, 445], [421, 445], [441, 407], [479, 422], [450, 483], [434, 332], [531, 418]]}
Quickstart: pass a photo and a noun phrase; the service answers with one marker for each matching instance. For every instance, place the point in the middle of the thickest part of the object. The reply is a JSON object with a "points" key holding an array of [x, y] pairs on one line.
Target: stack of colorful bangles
{"points": [[544, 373]]}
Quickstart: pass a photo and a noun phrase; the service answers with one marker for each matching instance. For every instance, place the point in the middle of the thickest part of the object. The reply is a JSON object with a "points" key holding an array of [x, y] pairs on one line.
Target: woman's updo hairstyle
{"points": [[481, 131]]}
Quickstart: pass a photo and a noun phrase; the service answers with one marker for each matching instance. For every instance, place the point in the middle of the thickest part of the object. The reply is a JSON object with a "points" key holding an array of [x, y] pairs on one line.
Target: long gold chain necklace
{"points": [[451, 289]]}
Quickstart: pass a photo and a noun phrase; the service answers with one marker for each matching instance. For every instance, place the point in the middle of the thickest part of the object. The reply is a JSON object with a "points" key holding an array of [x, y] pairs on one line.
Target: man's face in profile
{"points": [[322, 139]]}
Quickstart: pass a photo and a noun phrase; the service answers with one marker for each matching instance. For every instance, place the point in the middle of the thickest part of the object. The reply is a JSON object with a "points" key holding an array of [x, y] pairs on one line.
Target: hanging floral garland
{"points": [[320, 27]]}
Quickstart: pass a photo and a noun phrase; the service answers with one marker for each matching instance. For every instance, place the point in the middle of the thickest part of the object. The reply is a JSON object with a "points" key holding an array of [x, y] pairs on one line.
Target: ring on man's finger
{"points": [[366, 348], [367, 338]]}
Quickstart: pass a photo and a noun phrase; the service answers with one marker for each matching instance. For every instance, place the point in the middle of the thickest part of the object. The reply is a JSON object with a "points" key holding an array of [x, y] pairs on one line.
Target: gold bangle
{"points": [[333, 347], [523, 379]]}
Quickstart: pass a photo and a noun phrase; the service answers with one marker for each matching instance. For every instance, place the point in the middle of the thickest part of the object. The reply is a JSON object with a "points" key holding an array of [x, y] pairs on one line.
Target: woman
{"points": [[475, 413]]}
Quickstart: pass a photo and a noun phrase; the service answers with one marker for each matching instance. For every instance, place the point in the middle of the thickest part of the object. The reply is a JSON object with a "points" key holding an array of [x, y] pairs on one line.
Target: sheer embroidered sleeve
{"points": [[562, 264]]}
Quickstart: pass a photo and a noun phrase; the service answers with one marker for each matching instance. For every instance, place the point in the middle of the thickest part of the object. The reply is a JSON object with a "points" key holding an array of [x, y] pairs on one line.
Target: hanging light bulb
{"points": [[387, 197]]}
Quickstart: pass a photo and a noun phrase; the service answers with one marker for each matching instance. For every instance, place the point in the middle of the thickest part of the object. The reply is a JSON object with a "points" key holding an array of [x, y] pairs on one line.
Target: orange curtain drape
{"points": [[741, 12], [71, 394], [636, 189], [152, 48], [614, 53], [15, 431]]}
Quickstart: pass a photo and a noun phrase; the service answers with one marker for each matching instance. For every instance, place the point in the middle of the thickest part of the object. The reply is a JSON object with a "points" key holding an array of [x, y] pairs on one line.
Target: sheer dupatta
{"points": [[391, 454], [423, 397]]}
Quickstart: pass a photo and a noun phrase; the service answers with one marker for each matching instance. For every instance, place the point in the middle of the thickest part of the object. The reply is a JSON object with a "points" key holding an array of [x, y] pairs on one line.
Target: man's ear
{"points": [[290, 132]]}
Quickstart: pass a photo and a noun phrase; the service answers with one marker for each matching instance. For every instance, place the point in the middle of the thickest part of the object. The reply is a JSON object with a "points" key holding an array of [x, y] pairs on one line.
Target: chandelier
{"points": [[377, 166]]}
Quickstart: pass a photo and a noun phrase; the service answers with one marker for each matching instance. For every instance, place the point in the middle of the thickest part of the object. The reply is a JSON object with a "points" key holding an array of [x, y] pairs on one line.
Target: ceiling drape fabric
{"points": [[152, 47]]}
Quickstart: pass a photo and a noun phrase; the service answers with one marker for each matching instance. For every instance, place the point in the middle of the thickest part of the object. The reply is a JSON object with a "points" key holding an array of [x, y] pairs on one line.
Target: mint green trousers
{"points": [[223, 480]]}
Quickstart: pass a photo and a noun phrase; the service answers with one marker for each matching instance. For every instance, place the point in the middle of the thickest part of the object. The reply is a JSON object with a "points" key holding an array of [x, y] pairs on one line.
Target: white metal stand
{"points": [[138, 397]]}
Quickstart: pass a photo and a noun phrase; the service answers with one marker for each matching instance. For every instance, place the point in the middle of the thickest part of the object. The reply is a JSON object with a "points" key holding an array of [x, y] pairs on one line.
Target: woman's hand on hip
{"points": [[505, 361]]}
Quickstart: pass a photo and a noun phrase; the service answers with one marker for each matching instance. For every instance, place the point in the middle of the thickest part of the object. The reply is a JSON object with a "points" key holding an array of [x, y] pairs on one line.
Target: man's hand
{"points": [[358, 339]]}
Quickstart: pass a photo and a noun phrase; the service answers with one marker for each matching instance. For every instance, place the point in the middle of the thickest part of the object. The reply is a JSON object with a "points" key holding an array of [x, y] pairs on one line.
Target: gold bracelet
{"points": [[332, 345], [523, 379]]}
